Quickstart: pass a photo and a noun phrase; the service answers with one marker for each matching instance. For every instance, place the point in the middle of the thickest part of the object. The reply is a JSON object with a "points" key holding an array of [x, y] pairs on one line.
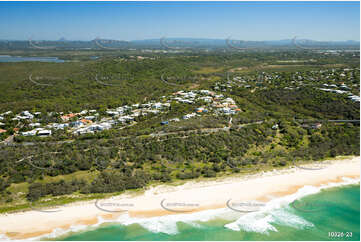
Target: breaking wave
{"points": [[276, 211]]}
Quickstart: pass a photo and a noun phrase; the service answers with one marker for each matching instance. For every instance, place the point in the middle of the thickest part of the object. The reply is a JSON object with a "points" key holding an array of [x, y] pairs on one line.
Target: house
{"points": [[120, 110], [229, 100], [29, 133], [188, 116], [179, 93], [316, 126], [340, 92], [206, 99], [124, 119], [93, 128], [126, 107], [186, 101], [105, 125], [354, 98], [7, 113], [2, 131], [68, 116], [34, 124], [190, 95], [164, 122], [85, 130], [21, 118], [152, 111], [112, 113], [25, 115], [275, 126], [38, 131], [206, 92], [76, 124], [146, 105], [226, 110], [199, 110], [111, 121], [157, 105], [86, 121], [44, 133], [89, 118], [61, 126], [343, 86], [136, 113]]}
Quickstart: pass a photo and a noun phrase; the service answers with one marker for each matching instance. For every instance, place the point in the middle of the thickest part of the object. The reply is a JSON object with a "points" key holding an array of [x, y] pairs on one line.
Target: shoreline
{"points": [[191, 197]]}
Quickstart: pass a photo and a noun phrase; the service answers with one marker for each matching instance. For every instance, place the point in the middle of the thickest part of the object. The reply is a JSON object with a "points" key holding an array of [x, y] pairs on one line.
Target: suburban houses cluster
{"points": [[339, 81], [202, 102], [91, 121]]}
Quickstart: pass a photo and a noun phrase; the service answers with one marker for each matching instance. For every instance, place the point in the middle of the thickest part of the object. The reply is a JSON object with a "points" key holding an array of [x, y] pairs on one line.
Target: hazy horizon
{"points": [[171, 38], [251, 21]]}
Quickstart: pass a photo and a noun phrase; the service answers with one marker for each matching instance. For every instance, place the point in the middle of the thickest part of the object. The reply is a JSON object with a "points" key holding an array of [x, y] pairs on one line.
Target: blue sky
{"points": [[145, 20]]}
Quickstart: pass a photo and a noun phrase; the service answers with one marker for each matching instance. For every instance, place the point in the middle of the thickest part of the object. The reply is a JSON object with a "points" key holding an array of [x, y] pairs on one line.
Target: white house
{"points": [[34, 125], [157, 105], [188, 116], [89, 117], [44, 132]]}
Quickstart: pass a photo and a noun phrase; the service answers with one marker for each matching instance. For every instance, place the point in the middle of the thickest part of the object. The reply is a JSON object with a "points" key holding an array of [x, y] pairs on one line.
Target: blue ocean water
{"points": [[330, 214]]}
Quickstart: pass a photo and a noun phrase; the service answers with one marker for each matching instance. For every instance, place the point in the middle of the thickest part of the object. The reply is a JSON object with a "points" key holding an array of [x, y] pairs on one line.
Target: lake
{"points": [[8, 58]]}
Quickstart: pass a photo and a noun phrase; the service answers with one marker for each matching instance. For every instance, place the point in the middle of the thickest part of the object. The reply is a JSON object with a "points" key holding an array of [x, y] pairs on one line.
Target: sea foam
{"points": [[276, 211]]}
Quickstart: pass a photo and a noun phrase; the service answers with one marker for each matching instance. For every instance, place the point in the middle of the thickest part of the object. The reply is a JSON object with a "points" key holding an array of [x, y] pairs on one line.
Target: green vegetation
{"points": [[284, 117]]}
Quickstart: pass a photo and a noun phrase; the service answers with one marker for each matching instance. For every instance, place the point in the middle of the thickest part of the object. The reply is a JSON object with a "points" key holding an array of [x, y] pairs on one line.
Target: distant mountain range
{"points": [[174, 43]]}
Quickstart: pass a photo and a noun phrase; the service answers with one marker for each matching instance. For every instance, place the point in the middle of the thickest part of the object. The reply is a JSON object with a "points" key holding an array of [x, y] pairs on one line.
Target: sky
{"points": [[324, 21]]}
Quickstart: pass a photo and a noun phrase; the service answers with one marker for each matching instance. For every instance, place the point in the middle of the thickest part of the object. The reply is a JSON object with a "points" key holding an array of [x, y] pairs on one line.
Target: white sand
{"points": [[197, 196]]}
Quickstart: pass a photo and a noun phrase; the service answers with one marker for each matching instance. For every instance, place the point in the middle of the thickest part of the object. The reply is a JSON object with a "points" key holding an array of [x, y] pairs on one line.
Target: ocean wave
{"points": [[276, 211], [168, 224]]}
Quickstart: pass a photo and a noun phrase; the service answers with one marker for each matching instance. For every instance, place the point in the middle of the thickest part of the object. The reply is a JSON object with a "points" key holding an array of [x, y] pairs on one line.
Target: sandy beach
{"points": [[187, 198]]}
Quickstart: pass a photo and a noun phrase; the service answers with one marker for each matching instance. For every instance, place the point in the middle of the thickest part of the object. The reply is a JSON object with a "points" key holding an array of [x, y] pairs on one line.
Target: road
{"points": [[205, 130], [37, 83], [158, 134], [329, 120]]}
